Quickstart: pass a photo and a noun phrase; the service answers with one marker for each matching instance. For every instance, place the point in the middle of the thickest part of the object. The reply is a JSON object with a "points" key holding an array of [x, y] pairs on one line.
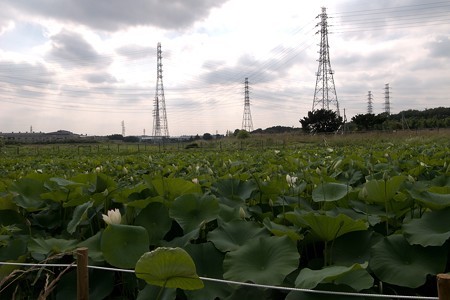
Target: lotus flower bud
{"points": [[242, 213]]}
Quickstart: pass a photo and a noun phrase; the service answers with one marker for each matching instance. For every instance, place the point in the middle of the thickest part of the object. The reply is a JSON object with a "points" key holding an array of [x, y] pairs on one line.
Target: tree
{"points": [[321, 120], [368, 121], [243, 134], [207, 136]]}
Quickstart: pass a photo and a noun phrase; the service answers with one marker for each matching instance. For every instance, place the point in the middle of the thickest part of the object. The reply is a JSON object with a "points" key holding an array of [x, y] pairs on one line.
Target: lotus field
{"points": [[370, 217]]}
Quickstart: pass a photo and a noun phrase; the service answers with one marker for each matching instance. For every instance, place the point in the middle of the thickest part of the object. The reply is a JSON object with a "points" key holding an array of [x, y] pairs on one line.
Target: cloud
{"points": [[258, 71], [114, 15], [100, 77], [21, 74], [70, 48], [440, 47], [136, 51]]}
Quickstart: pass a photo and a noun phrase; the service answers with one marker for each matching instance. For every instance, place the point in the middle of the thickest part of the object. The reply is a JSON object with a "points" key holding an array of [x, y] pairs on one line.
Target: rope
{"points": [[241, 283]]}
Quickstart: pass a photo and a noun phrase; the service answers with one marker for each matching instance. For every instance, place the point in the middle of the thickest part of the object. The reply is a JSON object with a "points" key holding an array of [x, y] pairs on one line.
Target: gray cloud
{"points": [[23, 74], [100, 77], [113, 15], [70, 48]]}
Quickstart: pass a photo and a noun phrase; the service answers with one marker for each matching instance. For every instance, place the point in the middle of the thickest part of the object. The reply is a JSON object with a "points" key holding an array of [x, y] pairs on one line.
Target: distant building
{"points": [[40, 137]]}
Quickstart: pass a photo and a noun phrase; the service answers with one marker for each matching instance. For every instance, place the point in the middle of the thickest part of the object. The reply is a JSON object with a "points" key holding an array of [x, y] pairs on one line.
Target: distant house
{"points": [[40, 137]]}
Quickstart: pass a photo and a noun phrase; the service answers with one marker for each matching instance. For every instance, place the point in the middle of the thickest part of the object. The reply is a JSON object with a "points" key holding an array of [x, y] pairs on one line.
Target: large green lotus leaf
{"points": [[191, 210], [155, 218], [263, 260], [123, 245], [231, 235], [431, 200], [354, 247], [395, 261], [330, 191], [168, 267], [327, 228], [354, 276], [28, 193], [380, 191], [79, 214], [172, 188], [209, 263], [232, 191], [432, 229]]}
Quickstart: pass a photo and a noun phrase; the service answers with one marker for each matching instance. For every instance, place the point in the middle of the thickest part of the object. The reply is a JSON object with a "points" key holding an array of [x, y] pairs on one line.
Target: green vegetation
{"points": [[362, 213]]}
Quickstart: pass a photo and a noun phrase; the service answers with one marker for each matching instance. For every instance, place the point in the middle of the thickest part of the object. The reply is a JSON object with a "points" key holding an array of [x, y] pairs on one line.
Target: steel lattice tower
{"points": [[369, 102], [160, 128], [247, 123], [325, 96], [387, 102]]}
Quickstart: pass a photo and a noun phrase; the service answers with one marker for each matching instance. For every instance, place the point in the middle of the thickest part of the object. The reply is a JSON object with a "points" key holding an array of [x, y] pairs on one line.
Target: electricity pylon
{"points": [[387, 101], [369, 103], [160, 128], [247, 123], [325, 96]]}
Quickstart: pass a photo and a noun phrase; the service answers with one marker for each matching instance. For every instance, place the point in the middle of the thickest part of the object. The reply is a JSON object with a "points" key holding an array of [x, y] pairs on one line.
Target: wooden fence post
{"points": [[443, 286], [82, 274]]}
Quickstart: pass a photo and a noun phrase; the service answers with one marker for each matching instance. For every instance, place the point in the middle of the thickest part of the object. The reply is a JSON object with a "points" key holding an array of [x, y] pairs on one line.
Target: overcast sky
{"points": [[86, 66]]}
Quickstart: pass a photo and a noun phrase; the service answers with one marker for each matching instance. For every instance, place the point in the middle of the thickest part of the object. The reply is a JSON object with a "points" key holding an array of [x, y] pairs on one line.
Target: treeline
{"points": [[409, 119]]}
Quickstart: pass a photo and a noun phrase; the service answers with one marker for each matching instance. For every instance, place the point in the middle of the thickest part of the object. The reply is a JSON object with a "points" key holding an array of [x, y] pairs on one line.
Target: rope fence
{"points": [[443, 281]]}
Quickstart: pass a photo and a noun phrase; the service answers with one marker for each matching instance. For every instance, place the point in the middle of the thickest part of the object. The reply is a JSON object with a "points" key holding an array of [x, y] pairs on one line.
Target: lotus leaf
{"points": [[354, 276], [354, 247], [168, 268], [231, 235], [93, 243], [432, 229], [208, 261], [79, 214], [330, 191], [172, 188], [380, 191], [232, 191], [327, 228], [122, 245], [191, 210], [395, 261], [28, 193], [281, 230], [263, 260], [431, 200], [50, 246], [155, 218]]}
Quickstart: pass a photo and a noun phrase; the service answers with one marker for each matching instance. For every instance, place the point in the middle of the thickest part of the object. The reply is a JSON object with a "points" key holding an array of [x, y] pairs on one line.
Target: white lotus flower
{"points": [[113, 217], [291, 180]]}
